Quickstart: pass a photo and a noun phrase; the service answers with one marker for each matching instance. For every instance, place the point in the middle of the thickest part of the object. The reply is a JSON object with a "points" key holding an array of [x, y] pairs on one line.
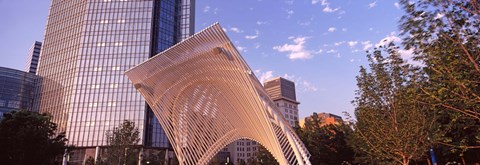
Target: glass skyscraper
{"points": [[17, 89], [87, 47]]}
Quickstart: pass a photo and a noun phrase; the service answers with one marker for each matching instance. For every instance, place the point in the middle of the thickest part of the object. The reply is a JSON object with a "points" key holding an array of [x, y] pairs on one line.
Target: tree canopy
{"points": [[391, 125], [444, 35], [29, 138], [122, 141]]}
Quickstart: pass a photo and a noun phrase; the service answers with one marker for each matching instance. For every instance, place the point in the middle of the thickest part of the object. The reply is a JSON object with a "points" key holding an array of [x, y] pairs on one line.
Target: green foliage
{"points": [[29, 138], [392, 127], [326, 143], [264, 157], [445, 36], [122, 143], [154, 157], [90, 161]]}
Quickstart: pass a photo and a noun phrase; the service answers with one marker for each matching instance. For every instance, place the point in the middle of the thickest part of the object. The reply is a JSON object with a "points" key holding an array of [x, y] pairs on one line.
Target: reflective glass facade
{"points": [[87, 47], [17, 90]]}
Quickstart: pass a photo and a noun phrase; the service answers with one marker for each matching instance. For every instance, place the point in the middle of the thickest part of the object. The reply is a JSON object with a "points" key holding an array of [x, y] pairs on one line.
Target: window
{"points": [[113, 85], [92, 104], [14, 104]]}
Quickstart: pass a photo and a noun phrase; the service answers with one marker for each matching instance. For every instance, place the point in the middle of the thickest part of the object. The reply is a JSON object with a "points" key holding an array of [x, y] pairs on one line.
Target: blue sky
{"points": [[319, 44]]}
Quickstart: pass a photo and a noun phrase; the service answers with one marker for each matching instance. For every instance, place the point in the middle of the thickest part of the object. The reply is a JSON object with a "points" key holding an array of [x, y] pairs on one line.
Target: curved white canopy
{"points": [[206, 97]]}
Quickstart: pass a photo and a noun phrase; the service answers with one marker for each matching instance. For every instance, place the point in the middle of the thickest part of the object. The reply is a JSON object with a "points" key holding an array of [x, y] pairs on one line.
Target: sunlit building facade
{"points": [[324, 119], [87, 47]]}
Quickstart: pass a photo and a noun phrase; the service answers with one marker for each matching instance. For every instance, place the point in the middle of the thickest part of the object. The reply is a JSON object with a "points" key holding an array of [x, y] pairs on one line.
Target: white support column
{"points": [[97, 154]]}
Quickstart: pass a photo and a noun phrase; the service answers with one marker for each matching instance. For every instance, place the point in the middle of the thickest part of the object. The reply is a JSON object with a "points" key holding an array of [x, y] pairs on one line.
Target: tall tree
{"points": [[327, 144], [444, 35], [122, 141], [29, 138], [391, 125]]}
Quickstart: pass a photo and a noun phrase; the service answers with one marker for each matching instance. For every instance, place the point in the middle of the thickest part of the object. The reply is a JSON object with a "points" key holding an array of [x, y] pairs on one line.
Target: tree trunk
{"points": [[405, 160], [463, 160], [428, 161]]}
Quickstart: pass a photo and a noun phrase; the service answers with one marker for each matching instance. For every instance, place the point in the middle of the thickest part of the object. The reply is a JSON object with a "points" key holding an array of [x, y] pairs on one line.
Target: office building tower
{"points": [[32, 58], [88, 45], [17, 89], [282, 92]]}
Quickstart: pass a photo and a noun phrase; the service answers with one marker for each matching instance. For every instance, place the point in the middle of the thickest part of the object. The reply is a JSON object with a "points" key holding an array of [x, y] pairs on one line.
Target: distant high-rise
{"points": [[33, 56], [282, 92], [87, 47]]}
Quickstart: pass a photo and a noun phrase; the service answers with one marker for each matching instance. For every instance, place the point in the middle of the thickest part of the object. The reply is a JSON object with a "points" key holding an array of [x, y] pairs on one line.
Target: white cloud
{"points": [[407, 56], [344, 29], [370, 29], [261, 22], [352, 43], [242, 49], [289, 77], [308, 87], [290, 12], [332, 51], [250, 37], [367, 45], [264, 76], [257, 45], [304, 23], [301, 85], [215, 11], [236, 30], [290, 2], [352, 60], [373, 4], [326, 5], [318, 51], [397, 5], [331, 29], [206, 9], [327, 9], [296, 50], [339, 43], [389, 38]]}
